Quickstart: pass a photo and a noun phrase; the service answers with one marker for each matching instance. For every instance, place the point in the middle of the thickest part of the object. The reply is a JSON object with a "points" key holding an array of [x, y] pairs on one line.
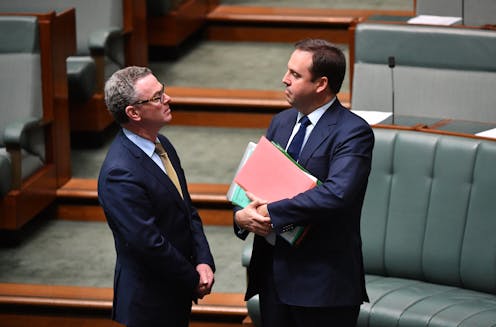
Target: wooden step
{"points": [[78, 200], [56, 305], [224, 107], [229, 107], [283, 24]]}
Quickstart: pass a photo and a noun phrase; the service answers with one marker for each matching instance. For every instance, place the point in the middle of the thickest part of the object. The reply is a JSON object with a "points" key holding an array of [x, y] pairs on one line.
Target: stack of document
{"points": [[434, 20], [267, 171]]}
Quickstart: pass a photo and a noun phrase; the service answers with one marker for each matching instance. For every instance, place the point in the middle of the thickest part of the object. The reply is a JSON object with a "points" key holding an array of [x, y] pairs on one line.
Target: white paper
{"points": [[434, 20], [373, 117], [248, 151], [488, 133]]}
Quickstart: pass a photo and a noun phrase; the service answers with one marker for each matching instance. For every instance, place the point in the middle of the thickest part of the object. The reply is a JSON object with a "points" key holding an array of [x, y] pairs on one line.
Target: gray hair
{"points": [[120, 91]]}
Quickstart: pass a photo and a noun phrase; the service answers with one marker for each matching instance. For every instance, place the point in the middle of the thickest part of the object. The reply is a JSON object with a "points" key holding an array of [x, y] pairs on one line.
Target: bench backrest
{"points": [[20, 71], [440, 72], [473, 12], [91, 15], [430, 209], [439, 7]]}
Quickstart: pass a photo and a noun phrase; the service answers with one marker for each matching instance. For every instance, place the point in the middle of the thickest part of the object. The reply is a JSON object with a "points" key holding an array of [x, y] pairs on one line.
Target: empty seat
{"points": [[441, 72]]}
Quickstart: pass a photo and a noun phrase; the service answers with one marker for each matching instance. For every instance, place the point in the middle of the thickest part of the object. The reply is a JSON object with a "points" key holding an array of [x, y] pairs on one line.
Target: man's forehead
{"points": [[300, 61]]}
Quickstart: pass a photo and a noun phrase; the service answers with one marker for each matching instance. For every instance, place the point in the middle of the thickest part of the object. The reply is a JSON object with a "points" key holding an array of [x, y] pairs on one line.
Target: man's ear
{"points": [[322, 84], [133, 113]]}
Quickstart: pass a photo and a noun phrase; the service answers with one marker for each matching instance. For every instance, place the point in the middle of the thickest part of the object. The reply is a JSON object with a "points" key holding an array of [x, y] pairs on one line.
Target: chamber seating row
{"points": [[109, 35], [428, 232], [438, 73], [34, 133]]}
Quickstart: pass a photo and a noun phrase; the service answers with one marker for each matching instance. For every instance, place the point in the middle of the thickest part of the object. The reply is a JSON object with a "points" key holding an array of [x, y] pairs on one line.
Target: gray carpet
{"points": [[336, 4], [82, 254]]}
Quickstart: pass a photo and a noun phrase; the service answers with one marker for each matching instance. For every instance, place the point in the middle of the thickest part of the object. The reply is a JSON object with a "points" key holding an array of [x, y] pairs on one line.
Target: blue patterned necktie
{"points": [[294, 148]]}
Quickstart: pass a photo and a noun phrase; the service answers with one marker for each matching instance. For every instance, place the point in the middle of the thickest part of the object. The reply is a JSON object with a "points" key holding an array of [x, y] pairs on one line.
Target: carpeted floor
{"points": [[337, 4], [82, 254]]}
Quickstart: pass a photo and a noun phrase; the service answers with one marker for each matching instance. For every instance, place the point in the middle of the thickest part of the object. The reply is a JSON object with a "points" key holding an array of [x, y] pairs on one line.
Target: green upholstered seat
{"points": [[81, 76], [99, 29], [428, 226], [21, 97]]}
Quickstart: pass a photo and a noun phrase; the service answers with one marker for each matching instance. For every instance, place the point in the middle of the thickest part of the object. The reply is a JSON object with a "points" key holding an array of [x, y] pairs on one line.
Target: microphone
{"points": [[391, 64]]}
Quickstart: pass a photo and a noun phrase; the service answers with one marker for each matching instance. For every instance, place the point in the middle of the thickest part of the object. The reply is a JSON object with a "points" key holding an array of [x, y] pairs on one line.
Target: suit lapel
{"points": [[282, 134], [151, 167], [320, 132]]}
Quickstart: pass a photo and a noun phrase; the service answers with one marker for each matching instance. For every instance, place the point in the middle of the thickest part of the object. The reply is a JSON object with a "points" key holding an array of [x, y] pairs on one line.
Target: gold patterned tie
{"points": [[159, 149]]}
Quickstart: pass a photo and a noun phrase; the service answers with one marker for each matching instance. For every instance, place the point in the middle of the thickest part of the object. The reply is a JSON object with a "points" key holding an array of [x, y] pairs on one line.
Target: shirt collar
{"points": [[147, 146], [315, 115]]}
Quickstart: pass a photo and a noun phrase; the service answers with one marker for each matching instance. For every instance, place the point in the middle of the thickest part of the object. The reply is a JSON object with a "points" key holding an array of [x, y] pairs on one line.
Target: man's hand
{"points": [[254, 217], [206, 280]]}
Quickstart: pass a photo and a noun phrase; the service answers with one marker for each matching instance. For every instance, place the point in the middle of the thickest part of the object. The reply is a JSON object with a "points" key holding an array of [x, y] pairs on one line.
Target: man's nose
{"points": [[285, 79]]}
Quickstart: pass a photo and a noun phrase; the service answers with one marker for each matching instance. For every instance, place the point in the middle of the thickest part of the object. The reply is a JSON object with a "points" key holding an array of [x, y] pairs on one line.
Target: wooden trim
{"points": [[100, 298], [83, 188], [288, 15], [423, 129], [78, 200]]}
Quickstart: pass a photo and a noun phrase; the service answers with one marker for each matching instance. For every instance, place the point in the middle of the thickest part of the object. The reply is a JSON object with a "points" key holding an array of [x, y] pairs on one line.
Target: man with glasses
{"points": [[163, 257]]}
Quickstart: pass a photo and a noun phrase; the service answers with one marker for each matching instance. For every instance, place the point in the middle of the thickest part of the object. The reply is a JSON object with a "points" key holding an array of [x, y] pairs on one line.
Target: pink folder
{"points": [[270, 175]]}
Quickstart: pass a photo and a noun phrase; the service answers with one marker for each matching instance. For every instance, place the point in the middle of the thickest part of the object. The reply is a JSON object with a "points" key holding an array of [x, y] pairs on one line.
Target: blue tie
{"points": [[294, 148]]}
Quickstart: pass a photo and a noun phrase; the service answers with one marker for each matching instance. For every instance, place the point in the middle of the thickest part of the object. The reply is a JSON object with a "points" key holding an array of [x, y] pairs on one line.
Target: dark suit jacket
{"points": [[159, 237], [326, 269]]}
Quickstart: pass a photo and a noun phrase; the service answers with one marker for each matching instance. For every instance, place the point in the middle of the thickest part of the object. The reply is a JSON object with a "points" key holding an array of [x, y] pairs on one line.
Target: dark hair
{"points": [[120, 92], [327, 60]]}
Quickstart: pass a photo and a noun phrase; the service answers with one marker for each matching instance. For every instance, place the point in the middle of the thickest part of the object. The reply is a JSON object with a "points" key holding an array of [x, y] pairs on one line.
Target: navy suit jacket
{"points": [[326, 269], [159, 237]]}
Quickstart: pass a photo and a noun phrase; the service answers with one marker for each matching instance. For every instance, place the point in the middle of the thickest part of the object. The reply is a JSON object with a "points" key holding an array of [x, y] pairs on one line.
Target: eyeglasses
{"points": [[156, 99]]}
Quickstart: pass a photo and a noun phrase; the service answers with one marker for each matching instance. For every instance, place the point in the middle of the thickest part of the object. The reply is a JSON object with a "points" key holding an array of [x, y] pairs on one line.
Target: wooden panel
{"points": [[172, 29], [91, 116], [221, 119], [135, 33], [273, 24], [271, 33]]}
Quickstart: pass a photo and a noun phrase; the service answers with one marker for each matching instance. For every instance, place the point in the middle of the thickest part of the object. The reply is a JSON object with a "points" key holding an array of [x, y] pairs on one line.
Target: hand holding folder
{"points": [[270, 174]]}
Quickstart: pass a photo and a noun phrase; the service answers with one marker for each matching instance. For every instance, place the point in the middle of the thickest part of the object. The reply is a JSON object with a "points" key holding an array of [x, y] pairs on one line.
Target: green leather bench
{"points": [[428, 231], [21, 99]]}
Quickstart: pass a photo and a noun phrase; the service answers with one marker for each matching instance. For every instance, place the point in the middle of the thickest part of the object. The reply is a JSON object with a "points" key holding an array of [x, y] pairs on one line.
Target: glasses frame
{"points": [[155, 99]]}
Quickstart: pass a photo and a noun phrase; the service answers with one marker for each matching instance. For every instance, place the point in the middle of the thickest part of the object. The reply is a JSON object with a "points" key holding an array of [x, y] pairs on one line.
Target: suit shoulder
{"points": [[354, 120]]}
